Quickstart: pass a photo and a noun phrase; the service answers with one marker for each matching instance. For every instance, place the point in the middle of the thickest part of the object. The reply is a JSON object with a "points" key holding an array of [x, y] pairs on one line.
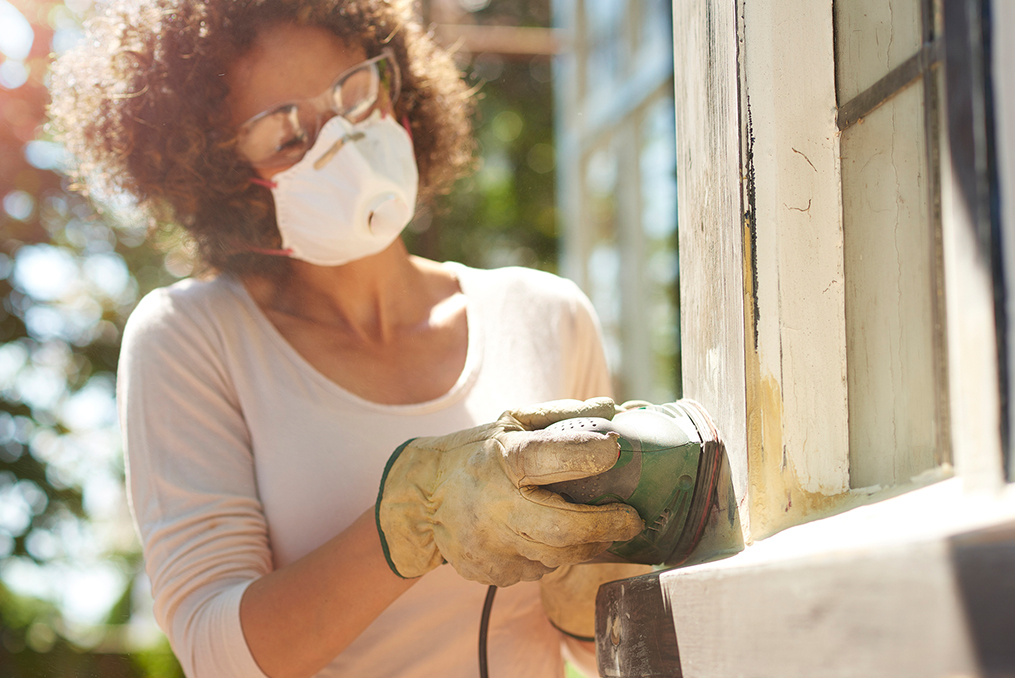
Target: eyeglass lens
{"points": [[282, 136]]}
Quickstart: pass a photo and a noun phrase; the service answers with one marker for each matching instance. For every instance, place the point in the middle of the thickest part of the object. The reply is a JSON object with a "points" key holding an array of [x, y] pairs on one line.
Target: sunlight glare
{"points": [[90, 592], [16, 34], [45, 272]]}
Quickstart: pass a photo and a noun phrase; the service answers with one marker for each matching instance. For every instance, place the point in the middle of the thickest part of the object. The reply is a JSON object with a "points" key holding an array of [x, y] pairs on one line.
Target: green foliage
{"points": [[59, 338], [31, 647], [59, 344], [157, 662], [505, 213]]}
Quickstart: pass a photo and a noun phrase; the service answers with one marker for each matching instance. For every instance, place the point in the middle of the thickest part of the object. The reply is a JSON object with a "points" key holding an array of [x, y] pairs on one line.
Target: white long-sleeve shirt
{"points": [[242, 458]]}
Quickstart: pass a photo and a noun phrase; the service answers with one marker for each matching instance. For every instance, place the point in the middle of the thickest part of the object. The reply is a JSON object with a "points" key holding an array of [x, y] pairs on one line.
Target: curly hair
{"points": [[141, 105]]}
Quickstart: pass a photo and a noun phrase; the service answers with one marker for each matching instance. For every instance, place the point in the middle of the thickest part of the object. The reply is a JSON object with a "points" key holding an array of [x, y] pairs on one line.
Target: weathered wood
{"points": [[889, 241], [710, 230], [796, 353], [634, 631], [969, 284], [897, 382], [866, 593], [873, 37], [914, 68], [891, 613]]}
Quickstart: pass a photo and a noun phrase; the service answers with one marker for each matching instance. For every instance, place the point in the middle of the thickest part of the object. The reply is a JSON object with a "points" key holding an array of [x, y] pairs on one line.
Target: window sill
{"points": [[922, 584]]}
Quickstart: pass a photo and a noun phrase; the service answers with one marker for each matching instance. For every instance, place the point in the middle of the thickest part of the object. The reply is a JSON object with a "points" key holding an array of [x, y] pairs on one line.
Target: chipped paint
{"points": [[777, 498], [794, 329]]}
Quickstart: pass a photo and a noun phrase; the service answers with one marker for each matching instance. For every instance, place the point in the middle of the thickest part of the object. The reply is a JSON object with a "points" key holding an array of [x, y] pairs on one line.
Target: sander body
{"points": [[668, 470]]}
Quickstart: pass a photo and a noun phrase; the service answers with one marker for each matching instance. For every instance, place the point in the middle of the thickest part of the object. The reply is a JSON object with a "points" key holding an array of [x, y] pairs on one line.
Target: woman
{"points": [[260, 407]]}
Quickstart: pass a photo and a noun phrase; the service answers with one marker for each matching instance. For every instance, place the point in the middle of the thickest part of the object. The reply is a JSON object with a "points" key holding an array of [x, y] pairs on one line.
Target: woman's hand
{"points": [[473, 499]]}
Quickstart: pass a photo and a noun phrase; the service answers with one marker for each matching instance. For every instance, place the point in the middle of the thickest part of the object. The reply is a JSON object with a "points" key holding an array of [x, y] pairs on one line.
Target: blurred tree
{"points": [[68, 278], [505, 213], [71, 272]]}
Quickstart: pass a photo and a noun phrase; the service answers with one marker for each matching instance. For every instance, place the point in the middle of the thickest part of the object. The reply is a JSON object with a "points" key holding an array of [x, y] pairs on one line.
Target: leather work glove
{"points": [[569, 594], [473, 499]]}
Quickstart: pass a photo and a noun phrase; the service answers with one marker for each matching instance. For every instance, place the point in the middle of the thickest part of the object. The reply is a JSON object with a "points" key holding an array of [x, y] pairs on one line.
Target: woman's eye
{"points": [[291, 143]]}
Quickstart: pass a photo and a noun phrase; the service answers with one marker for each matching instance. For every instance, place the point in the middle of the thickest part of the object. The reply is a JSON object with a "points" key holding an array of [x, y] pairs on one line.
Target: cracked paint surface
{"points": [[890, 331]]}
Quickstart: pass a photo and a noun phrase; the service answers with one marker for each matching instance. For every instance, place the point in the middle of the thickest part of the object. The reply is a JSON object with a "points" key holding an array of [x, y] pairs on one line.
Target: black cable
{"points": [[484, 627]]}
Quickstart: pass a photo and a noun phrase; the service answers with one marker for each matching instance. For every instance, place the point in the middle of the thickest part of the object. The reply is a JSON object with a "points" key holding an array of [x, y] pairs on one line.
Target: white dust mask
{"points": [[351, 194]]}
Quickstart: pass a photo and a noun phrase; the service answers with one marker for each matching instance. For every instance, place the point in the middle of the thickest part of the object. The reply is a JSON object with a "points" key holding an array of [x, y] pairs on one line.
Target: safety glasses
{"points": [[281, 136]]}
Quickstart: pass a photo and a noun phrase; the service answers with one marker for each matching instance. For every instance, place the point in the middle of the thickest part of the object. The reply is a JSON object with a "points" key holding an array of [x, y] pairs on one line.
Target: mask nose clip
{"points": [[335, 148]]}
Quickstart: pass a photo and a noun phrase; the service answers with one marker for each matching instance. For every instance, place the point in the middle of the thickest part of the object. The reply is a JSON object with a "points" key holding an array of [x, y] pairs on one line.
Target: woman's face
{"points": [[286, 63]]}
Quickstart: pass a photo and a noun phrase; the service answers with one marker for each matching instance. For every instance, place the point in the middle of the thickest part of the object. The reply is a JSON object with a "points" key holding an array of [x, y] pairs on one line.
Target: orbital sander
{"points": [[668, 470]]}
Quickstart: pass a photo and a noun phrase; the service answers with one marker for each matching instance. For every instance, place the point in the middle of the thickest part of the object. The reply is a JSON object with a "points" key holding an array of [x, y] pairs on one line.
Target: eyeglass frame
{"points": [[386, 53]]}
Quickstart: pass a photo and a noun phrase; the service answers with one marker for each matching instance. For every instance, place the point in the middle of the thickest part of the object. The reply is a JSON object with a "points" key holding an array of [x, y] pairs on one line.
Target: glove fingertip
{"points": [[633, 525], [603, 407], [543, 458]]}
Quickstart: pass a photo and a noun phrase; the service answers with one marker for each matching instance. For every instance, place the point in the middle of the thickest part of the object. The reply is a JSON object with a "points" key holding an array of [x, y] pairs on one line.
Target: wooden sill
{"points": [[921, 585]]}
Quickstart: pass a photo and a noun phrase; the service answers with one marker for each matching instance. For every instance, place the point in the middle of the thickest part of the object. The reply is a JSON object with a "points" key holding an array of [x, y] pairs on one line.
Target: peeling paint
{"points": [[777, 499]]}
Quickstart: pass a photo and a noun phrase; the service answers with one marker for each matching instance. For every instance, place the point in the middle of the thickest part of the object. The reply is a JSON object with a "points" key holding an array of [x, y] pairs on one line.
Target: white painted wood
{"points": [[796, 407], [889, 246], [972, 347], [1004, 90], [892, 614], [799, 450], [873, 37], [871, 593], [710, 226]]}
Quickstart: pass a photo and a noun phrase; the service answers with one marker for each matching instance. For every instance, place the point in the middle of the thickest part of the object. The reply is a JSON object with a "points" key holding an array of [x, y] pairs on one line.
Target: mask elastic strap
{"points": [[263, 182]]}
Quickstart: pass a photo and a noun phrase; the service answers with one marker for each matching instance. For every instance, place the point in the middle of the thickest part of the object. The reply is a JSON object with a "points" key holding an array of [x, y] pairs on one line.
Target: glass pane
{"points": [[658, 165], [890, 321], [605, 21], [871, 38]]}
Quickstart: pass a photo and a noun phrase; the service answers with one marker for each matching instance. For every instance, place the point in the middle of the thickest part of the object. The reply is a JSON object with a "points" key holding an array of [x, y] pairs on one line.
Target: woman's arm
{"points": [[298, 618], [191, 472]]}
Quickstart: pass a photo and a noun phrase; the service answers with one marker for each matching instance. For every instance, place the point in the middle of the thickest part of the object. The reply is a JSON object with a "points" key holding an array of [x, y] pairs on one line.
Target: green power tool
{"points": [[668, 470]]}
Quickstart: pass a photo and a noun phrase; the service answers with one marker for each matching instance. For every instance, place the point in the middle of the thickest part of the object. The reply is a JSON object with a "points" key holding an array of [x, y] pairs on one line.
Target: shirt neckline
{"points": [[473, 356]]}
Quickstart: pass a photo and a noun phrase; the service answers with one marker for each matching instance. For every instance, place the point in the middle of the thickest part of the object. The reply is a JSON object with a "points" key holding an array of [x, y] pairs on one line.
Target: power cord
{"points": [[484, 628]]}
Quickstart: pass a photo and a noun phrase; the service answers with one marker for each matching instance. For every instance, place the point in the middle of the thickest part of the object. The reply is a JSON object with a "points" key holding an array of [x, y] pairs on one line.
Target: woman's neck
{"points": [[373, 298]]}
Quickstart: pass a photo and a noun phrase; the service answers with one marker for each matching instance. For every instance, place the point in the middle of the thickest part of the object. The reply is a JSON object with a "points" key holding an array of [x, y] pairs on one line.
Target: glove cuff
{"points": [[401, 513], [569, 594]]}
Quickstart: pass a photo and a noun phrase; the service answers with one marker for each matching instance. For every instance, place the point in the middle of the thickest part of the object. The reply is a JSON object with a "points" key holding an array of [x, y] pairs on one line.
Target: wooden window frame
{"points": [[916, 584], [763, 329]]}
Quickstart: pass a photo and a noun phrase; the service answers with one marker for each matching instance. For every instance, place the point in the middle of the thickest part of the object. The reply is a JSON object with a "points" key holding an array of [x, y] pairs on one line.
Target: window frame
{"points": [[918, 583], [763, 326]]}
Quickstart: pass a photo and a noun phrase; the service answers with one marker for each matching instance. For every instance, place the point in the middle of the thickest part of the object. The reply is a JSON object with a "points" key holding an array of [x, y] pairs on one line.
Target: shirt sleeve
{"points": [[587, 372], [191, 483]]}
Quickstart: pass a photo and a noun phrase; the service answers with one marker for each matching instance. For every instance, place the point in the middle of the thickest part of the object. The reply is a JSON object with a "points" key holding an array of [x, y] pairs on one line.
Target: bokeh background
{"points": [[73, 597]]}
